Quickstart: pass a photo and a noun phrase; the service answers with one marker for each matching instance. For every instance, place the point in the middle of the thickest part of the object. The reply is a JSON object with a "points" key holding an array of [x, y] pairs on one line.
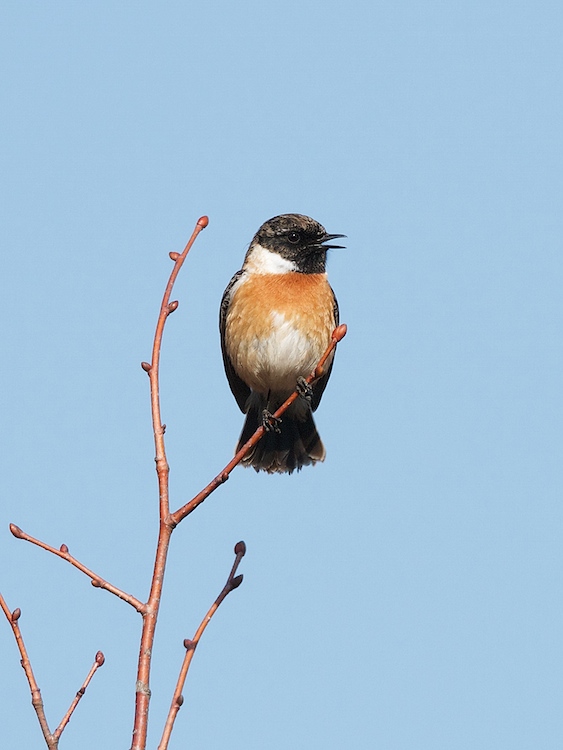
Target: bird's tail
{"points": [[296, 444]]}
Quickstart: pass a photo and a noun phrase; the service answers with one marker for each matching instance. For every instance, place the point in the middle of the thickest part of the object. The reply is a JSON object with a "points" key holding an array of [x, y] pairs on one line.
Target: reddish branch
{"points": [[168, 522], [337, 335], [190, 645], [97, 581], [36, 700], [98, 662], [142, 696], [51, 739]]}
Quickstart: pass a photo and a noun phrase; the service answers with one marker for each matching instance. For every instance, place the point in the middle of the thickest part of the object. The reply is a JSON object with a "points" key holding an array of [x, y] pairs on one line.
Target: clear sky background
{"points": [[406, 593]]}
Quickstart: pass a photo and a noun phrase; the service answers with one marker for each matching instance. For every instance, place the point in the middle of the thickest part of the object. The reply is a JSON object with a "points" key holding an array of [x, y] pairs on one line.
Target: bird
{"points": [[276, 320]]}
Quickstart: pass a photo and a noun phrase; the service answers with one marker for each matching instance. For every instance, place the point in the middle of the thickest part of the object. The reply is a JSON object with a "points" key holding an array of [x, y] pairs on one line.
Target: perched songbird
{"points": [[277, 317]]}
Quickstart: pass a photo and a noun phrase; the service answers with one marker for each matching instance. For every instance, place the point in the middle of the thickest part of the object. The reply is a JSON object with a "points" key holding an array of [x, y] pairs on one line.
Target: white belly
{"points": [[274, 362]]}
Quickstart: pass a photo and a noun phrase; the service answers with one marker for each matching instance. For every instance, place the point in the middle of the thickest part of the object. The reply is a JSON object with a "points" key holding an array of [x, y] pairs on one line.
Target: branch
{"points": [[97, 581], [52, 740], [232, 583], [150, 614], [152, 369], [175, 518], [36, 700], [98, 662]]}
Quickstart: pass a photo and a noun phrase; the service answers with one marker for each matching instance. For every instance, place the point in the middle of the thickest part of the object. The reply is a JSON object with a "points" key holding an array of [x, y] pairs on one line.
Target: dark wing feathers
{"points": [[240, 390], [320, 385]]}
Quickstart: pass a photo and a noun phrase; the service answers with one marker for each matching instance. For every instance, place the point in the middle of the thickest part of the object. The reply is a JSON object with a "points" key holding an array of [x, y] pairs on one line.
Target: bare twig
{"points": [[51, 739], [150, 614], [36, 700], [175, 518], [98, 662], [97, 581], [232, 583]]}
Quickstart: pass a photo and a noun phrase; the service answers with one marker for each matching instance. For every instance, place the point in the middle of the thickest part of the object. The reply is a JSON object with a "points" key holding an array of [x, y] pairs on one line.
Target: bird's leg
{"points": [[304, 389], [269, 422]]}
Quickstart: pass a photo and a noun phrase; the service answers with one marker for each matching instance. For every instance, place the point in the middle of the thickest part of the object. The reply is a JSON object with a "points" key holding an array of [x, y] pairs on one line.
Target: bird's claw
{"points": [[270, 423], [304, 389]]}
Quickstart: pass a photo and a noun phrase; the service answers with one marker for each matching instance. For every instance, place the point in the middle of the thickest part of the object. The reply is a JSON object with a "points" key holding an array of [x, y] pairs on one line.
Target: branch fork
{"points": [[51, 738]]}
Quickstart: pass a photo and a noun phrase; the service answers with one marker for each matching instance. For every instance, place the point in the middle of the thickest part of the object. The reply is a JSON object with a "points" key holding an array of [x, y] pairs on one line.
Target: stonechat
{"points": [[276, 320]]}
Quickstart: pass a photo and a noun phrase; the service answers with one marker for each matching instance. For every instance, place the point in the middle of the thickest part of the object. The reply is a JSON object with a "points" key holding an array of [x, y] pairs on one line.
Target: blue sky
{"points": [[406, 593]]}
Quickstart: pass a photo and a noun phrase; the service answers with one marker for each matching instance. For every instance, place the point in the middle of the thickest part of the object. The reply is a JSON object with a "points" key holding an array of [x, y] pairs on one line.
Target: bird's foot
{"points": [[270, 423], [304, 389]]}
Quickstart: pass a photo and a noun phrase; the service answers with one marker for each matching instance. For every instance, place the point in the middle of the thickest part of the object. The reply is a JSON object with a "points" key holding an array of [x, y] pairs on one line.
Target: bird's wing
{"points": [[240, 390], [320, 385]]}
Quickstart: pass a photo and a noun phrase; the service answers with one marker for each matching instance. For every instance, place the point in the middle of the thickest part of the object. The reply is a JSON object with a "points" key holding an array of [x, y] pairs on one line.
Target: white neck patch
{"points": [[262, 260]]}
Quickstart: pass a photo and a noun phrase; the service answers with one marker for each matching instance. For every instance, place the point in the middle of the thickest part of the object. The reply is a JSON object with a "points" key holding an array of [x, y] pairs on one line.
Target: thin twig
{"points": [[97, 581], [36, 700], [175, 518], [98, 662], [142, 697], [52, 739], [232, 583]]}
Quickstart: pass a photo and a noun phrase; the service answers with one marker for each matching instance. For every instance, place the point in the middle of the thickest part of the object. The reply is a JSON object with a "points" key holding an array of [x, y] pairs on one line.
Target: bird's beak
{"points": [[328, 238]]}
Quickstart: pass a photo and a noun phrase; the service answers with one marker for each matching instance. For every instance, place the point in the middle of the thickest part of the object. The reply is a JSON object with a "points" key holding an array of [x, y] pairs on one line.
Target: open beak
{"points": [[328, 238]]}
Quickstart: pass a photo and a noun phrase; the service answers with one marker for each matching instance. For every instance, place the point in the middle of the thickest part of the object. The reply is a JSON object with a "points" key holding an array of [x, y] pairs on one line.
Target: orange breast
{"points": [[278, 327]]}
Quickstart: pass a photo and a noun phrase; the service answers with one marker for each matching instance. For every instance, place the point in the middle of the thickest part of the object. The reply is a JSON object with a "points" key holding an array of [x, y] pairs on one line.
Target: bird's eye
{"points": [[294, 237]]}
